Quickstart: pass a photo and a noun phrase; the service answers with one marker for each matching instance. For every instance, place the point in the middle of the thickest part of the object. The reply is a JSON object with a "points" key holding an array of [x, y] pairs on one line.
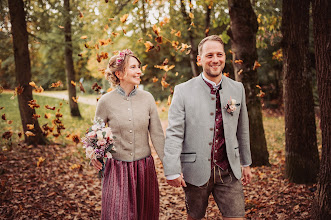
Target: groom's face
{"points": [[212, 58]]}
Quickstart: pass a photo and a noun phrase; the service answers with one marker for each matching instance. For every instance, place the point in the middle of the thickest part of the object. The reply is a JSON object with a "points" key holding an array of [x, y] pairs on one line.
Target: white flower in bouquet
{"points": [[233, 101], [90, 153], [101, 142], [99, 135]]}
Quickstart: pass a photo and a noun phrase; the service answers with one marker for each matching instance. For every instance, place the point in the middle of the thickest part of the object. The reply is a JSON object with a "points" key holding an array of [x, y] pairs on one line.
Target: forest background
{"points": [[69, 43]]}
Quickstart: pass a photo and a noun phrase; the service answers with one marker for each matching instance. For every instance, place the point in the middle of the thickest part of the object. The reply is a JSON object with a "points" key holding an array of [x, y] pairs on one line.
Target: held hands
{"points": [[96, 164], [177, 182], [246, 175]]}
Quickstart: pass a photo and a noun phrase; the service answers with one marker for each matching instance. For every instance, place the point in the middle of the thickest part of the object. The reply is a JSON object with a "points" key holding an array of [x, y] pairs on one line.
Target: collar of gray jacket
{"points": [[121, 91]]}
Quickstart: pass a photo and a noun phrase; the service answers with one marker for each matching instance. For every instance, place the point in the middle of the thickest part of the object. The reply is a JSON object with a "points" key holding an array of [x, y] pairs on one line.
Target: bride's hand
{"points": [[96, 164]]}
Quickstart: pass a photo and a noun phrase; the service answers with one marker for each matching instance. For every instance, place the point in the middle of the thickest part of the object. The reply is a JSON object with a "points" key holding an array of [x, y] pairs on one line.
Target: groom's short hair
{"points": [[209, 38]]}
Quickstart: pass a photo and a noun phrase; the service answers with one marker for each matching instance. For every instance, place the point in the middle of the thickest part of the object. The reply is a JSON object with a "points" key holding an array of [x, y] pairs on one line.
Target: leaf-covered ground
{"points": [[56, 182], [64, 186]]}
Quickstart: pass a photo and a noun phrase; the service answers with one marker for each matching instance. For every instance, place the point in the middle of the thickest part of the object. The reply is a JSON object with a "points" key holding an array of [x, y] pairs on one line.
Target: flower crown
{"points": [[122, 55]]}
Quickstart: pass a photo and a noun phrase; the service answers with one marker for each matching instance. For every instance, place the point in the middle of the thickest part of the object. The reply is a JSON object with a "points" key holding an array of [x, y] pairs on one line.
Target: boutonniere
{"points": [[231, 106]]}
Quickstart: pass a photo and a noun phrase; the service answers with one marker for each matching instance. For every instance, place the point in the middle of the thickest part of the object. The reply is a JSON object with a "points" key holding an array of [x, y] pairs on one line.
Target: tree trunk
{"points": [[207, 20], [302, 161], [322, 21], [243, 29], [23, 72], [70, 71], [193, 53]]}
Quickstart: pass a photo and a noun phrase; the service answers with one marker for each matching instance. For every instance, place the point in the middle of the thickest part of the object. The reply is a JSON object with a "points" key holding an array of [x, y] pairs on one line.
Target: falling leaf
{"points": [[57, 84], [33, 104], [176, 74], [39, 89], [238, 61], [96, 46], [81, 14], [240, 72], [163, 109], [257, 86], [148, 46], [3, 117], [109, 89], [40, 161], [178, 34], [1, 108], [19, 90], [159, 40], [156, 29], [33, 84], [124, 17], [50, 108], [36, 116], [115, 34], [73, 83], [75, 99], [144, 67], [135, 1], [47, 115], [106, 27], [165, 62], [192, 24], [81, 87], [256, 65], [60, 26], [30, 126], [155, 79], [164, 84], [111, 19], [10, 122], [231, 51], [169, 100], [207, 31], [191, 15], [29, 133], [96, 87], [75, 138], [227, 74], [124, 31], [7, 135], [157, 102], [140, 40], [83, 37]]}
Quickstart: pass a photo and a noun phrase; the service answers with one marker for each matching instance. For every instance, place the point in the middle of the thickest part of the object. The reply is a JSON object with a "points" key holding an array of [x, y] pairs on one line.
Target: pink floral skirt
{"points": [[130, 190]]}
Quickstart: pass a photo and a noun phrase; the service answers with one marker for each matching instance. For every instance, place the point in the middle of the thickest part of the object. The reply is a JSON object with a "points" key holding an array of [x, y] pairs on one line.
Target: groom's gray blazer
{"points": [[189, 135]]}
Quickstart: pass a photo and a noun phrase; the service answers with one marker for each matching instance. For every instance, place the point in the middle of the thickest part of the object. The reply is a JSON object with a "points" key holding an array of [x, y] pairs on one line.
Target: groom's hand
{"points": [[177, 182], [246, 175]]}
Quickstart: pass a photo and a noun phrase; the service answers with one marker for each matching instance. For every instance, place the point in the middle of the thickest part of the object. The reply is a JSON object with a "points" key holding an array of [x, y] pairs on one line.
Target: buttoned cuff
{"points": [[172, 177]]}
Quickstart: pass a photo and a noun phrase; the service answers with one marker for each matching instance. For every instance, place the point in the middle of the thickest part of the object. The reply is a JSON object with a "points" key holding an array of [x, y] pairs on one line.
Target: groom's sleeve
{"points": [[174, 135], [243, 132]]}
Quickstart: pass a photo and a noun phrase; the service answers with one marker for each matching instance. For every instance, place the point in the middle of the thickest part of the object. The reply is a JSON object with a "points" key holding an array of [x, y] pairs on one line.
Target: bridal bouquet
{"points": [[99, 143]]}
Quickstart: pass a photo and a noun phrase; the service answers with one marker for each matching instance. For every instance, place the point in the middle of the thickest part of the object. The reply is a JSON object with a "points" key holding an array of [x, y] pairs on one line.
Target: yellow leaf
{"points": [[60, 26], [240, 72], [39, 90], [124, 17], [33, 84], [191, 15], [83, 37], [75, 99], [29, 133], [40, 161], [148, 46], [178, 34], [238, 61], [144, 67], [73, 83], [169, 100], [135, 1]]}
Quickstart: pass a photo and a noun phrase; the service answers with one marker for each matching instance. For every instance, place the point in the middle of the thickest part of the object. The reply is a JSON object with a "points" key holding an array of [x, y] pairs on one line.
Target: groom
{"points": [[207, 141]]}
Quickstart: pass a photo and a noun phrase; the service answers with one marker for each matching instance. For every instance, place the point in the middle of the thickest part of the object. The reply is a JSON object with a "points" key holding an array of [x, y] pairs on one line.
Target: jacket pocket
{"points": [[188, 157]]}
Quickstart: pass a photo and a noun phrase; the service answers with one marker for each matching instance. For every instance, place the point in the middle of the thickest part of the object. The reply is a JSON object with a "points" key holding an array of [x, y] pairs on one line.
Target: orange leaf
{"points": [[238, 61], [33, 84], [169, 100], [148, 46], [144, 67], [30, 126], [9, 122], [50, 108], [124, 17], [135, 1], [4, 117], [81, 87], [83, 37], [256, 65], [178, 34], [39, 90], [60, 26], [191, 15], [57, 84], [40, 161], [155, 79], [240, 72], [75, 99], [73, 83]]}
